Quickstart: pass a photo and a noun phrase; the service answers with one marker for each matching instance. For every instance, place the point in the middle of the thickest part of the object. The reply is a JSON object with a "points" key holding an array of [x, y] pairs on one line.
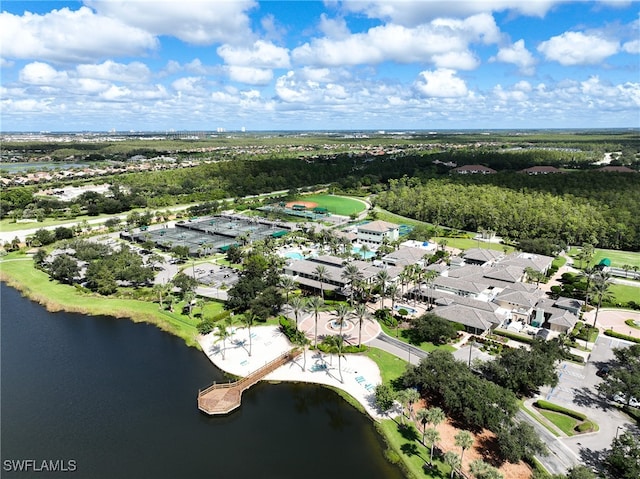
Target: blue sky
{"points": [[159, 65]]}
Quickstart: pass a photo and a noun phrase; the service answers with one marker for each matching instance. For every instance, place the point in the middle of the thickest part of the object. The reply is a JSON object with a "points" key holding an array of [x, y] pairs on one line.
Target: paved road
{"points": [[398, 348], [560, 457]]}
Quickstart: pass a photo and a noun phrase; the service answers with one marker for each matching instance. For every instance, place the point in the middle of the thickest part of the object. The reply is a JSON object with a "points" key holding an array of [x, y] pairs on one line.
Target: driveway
{"points": [[576, 390]]}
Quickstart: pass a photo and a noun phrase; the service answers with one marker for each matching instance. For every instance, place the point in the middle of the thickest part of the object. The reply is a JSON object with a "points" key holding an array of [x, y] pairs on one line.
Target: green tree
{"points": [[519, 441], [600, 290], [413, 396], [64, 268], [385, 397], [362, 314], [382, 280], [432, 436], [432, 328], [314, 304], [288, 284], [222, 333], [453, 461], [184, 283], [623, 459], [322, 274], [353, 275], [482, 470], [624, 375], [464, 440], [248, 318], [580, 472], [422, 416], [435, 416], [297, 305]]}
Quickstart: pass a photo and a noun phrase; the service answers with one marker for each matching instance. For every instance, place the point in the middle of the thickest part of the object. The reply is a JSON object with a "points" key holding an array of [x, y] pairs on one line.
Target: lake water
{"points": [[119, 400]]}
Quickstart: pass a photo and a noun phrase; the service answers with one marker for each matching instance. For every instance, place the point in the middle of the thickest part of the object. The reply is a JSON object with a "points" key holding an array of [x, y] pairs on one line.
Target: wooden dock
{"points": [[222, 398]]}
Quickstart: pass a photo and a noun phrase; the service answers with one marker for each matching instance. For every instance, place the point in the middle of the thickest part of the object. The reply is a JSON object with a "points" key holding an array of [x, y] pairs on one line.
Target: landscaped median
{"points": [[18, 272], [566, 420]]}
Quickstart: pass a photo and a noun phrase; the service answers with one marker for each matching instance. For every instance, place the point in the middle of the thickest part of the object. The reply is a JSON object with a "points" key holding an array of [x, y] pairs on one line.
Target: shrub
{"points": [[205, 326], [615, 334], [563, 410], [586, 426], [515, 336]]}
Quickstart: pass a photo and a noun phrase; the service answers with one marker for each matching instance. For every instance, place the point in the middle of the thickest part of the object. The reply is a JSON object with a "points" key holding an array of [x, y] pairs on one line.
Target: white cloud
{"points": [[577, 48], [4, 63], [133, 72], [195, 22], [250, 75], [518, 55], [632, 47], [441, 83], [38, 73], [191, 85], [464, 60], [397, 43], [260, 55], [334, 27], [415, 12], [66, 36]]}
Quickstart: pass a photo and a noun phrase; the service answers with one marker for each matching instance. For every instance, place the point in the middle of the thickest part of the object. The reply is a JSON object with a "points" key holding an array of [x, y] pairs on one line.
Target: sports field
{"points": [[337, 205], [618, 258]]}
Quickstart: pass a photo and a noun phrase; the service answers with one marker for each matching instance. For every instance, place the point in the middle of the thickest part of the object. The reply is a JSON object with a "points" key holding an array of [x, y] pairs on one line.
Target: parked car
{"points": [[603, 372], [622, 399]]}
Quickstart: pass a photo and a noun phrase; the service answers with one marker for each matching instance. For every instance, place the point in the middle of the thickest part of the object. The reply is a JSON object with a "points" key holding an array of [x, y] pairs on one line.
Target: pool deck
{"points": [[360, 375]]}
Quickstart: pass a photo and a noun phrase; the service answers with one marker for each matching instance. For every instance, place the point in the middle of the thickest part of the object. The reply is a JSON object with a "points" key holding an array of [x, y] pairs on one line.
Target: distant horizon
{"points": [[428, 65]]}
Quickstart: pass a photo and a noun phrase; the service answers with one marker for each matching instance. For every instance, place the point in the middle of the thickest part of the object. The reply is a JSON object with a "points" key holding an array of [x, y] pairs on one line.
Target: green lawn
{"points": [[391, 367], [468, 243], [623, 293], [405, 443], [428, 347], [618, 258], [39, 287], [338, 205], [561, 421]]}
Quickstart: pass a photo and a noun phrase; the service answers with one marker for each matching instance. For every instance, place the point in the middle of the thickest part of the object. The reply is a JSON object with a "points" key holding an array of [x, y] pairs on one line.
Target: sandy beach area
{"points": [[360, 374]]}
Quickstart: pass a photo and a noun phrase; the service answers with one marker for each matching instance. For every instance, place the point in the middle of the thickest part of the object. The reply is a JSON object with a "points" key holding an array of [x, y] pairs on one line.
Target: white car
{"points": [[621, 398]]}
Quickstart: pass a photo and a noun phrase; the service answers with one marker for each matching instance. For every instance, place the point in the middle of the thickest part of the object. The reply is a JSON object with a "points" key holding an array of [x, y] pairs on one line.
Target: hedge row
{"points": [[563, 410], [615, 334], [515, 336]]}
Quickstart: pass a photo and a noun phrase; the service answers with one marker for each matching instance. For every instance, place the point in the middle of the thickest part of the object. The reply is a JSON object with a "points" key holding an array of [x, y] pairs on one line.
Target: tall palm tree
{"points": [[393, 294], [288, 284], [364, 249], [422, 416], [464, 440], [453, 460], [222, 333], [588, 273], [297, 305], [361, 313], [382, 279], [314, 304], [482, 470], [430, 278], [413, 396], [335, 344], [189, 297], [342, 312], [436, 416], [432, 436], [322, 274], [353, 275], [248, 319], [600, 289], [403, 399], [626, 268]]}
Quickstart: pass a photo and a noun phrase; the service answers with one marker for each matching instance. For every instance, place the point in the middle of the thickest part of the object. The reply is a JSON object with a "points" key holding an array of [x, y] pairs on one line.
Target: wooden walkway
{"points": [[222, 398]]}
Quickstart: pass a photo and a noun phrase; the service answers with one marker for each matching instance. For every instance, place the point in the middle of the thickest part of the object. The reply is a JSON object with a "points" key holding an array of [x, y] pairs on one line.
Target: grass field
{"points": [[561, 421], [618, 258], [338, 205], [19, 272], [623, 293], [391, 367]]}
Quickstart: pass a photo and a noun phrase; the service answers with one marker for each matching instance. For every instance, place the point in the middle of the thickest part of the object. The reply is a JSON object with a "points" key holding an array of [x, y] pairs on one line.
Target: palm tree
{"points": [[161, 290], [297, 305], [464, 440], [222, 333], [342, 311], [322, 275], [352, 274], [600, 289], [430, 278], [335, 343], [393, 294], [382, 278], [626, 268], [436, 416], [453, 460], [588, 273], [432, 436], [422, 417], [315, 304], [403, 399], [361, 313], [482, 470], [364, 249], [248, 319], [189, 296], [413, 396], [288, 284]]}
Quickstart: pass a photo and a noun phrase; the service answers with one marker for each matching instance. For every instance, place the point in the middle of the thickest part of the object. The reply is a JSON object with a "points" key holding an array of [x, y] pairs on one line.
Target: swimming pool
{"points": [[408, 309], [366, 255], [293, 255]]}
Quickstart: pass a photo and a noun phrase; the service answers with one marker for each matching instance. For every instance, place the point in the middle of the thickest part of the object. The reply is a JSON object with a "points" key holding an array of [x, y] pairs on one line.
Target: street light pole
{"points": [[471, 343], [618, 429]]}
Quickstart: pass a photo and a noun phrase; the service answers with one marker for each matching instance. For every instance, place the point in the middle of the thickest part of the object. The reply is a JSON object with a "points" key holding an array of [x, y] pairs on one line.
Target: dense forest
{"points": [[593, 207]]}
